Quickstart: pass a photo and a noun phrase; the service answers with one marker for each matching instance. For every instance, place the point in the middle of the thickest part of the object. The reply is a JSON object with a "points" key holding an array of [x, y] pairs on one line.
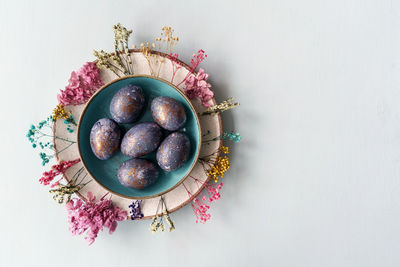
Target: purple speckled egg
{"points": [[137, 173], [141, 139], [173, 151], [127, 104], [104, 138], [168, 113]]}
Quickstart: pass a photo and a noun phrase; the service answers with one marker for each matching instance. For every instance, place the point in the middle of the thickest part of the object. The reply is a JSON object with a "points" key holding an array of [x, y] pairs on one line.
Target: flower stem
{"points": [[58, 152]]}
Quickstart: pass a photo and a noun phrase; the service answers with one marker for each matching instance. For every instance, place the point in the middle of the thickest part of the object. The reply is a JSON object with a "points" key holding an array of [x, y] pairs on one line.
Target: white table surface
{"points": [[315, 179]]}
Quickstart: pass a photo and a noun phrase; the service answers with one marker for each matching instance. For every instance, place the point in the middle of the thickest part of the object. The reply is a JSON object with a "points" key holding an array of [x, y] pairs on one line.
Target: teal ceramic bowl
{"points": [[105, 171]]}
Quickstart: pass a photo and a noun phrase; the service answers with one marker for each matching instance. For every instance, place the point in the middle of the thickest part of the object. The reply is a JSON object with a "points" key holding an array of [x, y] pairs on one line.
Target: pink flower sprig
{"points": [[194, 63], [81, 85], [212, 189], [176, 64], [60, 168], [197, 86], [92, 217], [200, 208], [197, 59]]}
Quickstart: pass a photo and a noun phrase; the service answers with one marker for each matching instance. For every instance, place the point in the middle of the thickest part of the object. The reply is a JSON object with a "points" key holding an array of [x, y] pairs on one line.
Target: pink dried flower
{"points": [[92, 217], [213, 191], [199, 207], [81, 85], [200, 210], [60, 168], [90, 73], [197, 59], [197, 86], [194, 63]]}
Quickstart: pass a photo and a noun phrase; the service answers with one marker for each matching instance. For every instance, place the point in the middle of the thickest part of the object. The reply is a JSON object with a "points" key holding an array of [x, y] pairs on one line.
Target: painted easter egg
{"points": [[141, 139], [168, 113], [137, 173], [127, 104], [173, 151], [105, 136]]}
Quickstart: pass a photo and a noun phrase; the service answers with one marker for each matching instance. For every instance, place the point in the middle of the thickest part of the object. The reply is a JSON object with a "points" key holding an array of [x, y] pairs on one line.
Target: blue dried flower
{"points": [[231, 136], [136, 212], [45, 158], [37, 137]]}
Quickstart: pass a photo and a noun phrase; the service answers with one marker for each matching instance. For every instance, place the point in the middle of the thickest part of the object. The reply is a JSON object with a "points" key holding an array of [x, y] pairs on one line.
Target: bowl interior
{"points": [[105, 171]]}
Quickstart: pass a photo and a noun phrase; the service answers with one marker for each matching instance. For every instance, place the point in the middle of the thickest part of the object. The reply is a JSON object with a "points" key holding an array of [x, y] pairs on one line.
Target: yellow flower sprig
{"points": [[147, 53], [166, 42], [167, 39], [157, 222], [224, 106], [59, 112], [155, 225], [121, 37], [224, 149], [104, 61], [217, 166], [62, 193], [118, 61], [153, 60], [168, 220]]}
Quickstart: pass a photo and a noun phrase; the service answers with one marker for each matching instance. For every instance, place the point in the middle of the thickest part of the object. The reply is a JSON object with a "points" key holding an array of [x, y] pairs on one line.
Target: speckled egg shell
{"points": [[127, 104], [141, 139], [104, 138], [137, 173], [173, 151], [168, 113]]}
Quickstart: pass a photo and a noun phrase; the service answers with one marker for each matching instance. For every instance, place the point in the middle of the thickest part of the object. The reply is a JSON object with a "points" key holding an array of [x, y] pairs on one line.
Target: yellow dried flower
{"points": [[225, 149], [168, 39], [219, 168], [121, 37], [105, 61], [155, 225], [147, 53], [62, 193], [225, 105], [60, 113], [157, 222], [118, 61], [169, 221], [145, 48]]}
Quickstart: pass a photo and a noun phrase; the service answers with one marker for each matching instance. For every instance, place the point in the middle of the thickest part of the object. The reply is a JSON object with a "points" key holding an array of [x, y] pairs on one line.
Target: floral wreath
{"points": [[91, 215]]}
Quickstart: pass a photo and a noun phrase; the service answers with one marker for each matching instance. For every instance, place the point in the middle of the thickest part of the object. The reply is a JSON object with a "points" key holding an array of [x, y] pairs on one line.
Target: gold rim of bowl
{"points": [[197, 149]]}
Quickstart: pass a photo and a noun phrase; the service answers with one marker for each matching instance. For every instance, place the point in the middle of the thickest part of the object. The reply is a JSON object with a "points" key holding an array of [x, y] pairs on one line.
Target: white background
{"points": [[315, 179]]}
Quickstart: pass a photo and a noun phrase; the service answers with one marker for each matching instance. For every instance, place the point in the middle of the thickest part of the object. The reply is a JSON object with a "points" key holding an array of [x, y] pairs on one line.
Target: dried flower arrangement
{"points": [[88, 215]]}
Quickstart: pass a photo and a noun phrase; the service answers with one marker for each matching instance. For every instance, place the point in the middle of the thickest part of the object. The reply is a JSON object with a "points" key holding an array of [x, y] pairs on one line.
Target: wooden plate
{"points": [[211, 126]]}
